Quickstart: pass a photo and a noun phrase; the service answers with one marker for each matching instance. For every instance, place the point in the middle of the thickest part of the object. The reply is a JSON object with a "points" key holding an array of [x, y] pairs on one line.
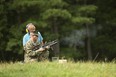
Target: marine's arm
{"points": [[31, 52]]}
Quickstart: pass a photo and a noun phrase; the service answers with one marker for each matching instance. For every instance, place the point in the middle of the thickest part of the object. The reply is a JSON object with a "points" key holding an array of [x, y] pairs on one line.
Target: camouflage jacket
{"points": [[30, 53]]}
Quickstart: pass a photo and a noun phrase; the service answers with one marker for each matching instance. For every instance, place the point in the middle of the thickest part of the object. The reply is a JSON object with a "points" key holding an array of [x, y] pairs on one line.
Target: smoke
{"points": [[75, 38]]}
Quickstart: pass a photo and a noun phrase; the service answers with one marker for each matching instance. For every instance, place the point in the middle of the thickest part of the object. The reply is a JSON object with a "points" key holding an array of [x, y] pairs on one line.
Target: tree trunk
{"points": [[55, 31], [88, 43]]}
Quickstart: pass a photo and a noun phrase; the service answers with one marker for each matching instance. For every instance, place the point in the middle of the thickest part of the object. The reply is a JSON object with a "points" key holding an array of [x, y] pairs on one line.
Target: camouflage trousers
{"points": [[43, 56]]}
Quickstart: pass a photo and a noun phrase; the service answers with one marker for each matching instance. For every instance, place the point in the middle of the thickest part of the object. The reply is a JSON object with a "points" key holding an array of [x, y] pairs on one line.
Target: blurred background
{"points": [[85, 29]]}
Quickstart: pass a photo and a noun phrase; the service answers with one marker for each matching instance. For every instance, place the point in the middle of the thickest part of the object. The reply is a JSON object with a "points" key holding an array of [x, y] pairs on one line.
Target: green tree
{"points": [[83, 16], [3, 28], [84, 28]]}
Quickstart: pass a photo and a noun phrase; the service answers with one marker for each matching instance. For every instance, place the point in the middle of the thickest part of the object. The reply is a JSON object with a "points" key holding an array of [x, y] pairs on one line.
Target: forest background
{"points": [[85, 29]]}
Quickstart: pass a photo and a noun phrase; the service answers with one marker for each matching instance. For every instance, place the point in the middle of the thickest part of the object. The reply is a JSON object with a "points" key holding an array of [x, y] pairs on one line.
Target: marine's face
{"points": [[34, 37]]}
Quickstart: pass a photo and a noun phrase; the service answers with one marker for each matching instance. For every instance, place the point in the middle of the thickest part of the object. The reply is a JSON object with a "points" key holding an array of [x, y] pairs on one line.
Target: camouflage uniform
{"points": [[33, 55]]}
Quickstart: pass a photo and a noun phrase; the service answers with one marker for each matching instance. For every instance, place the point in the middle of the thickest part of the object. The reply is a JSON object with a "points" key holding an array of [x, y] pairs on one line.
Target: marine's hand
{"points": [[40, 50], [47, 47]]}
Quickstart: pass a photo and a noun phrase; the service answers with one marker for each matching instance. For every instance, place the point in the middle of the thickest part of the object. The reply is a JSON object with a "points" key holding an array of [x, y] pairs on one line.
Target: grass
{"points": [[54, 69]]}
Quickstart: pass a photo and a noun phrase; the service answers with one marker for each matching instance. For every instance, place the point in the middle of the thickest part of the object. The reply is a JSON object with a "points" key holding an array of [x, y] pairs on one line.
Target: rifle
{"points": [[46, 44]]}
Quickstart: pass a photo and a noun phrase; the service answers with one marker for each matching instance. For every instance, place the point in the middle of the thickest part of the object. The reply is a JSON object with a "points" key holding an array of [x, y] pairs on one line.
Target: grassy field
{"points": [[54, 69]]}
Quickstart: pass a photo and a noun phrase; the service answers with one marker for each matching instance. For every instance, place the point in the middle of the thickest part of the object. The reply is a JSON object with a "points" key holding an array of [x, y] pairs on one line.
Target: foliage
{"points": [[65, 20]]}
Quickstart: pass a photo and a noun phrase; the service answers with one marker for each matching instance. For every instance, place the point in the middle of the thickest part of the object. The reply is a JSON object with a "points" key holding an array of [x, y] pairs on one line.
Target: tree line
{"points": [[85, 29]]}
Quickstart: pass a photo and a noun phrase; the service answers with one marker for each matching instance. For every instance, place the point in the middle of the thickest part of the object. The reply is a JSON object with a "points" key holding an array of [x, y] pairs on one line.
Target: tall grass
{"points": [[54, 69]]}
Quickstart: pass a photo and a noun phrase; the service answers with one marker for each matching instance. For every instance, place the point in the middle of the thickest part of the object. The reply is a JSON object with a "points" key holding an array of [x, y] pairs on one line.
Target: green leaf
{"points": [[56, 13], [83, 20], [87, 9]]}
